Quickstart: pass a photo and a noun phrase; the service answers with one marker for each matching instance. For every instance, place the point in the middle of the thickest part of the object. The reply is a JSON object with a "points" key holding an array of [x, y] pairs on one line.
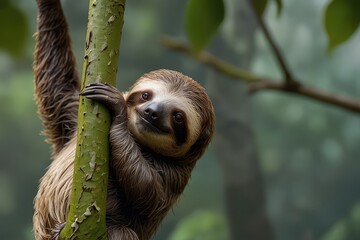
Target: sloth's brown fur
{"points": [[148, 171]]}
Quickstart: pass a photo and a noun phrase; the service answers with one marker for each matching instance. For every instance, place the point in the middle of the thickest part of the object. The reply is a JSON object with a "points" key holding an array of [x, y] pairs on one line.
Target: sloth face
{"points": [[162, 117]]}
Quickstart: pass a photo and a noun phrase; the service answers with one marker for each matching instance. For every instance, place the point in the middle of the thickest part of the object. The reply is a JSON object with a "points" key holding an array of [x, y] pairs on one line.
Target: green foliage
{"points": [[339, 231], [203, 18], [260, 6], [21, 152], [14, 29], [279, 6], [347, 228], [342, 18], [201, 225]]}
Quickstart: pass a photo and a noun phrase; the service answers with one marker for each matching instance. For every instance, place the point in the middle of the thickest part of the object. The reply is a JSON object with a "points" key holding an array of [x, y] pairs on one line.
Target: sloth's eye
{"points": [[145, 96], [178, 117]]}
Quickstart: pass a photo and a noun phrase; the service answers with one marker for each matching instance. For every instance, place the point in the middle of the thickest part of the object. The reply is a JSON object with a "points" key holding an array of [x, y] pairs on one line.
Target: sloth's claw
{"points": [[107, 95]]}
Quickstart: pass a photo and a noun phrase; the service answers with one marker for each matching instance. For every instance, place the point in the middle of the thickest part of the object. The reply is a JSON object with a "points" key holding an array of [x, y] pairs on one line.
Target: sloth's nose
{"points": [[154, 110]]}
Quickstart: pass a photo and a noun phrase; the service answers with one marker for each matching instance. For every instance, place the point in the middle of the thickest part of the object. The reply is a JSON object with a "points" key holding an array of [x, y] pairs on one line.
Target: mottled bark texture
{"points": [[86, 217]]}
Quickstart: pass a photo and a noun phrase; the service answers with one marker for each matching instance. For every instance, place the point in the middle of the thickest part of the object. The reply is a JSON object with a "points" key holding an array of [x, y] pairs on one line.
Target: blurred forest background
{"points": [[280, 167]]}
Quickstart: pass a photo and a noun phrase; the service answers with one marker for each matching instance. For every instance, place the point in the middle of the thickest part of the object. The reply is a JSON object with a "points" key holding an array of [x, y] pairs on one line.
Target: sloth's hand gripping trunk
{"points": [[140, 182]]}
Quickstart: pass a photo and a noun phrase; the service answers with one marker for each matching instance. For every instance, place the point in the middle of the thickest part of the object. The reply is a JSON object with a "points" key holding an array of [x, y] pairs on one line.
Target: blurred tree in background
{"points": [[299, 155]]}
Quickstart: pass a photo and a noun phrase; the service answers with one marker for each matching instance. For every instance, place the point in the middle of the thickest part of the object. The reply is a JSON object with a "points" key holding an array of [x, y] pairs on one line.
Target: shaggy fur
{"points": [[151, 156]]}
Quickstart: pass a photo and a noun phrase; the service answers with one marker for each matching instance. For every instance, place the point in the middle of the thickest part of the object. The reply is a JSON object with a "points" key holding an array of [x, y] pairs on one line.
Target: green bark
{"points": [[86, 218]]}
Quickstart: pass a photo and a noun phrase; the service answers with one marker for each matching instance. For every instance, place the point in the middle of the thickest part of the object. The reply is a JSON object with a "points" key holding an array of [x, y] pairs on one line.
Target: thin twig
{"points": [[257, 83], [277, 52]]}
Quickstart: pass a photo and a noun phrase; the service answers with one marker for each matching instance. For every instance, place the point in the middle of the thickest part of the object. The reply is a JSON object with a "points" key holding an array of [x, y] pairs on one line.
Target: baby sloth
{"points": [[160, 128]]}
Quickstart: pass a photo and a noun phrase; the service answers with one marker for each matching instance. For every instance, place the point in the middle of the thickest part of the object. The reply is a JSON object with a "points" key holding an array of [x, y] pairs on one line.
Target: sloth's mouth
{"points": [[153, 126]]}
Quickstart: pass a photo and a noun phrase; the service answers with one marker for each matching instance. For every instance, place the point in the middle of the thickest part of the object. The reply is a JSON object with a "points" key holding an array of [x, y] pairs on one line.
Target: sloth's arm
{"points": [[140, 182], [56, 79]]}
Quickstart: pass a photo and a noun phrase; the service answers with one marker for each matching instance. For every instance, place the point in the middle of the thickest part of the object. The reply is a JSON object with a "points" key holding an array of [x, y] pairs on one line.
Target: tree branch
{"points": [[305, 91], [210, 60], [257, 83], [277, 52]]}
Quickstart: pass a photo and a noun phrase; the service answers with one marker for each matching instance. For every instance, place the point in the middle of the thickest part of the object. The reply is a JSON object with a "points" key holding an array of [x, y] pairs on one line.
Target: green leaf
{"points": [[14, 30], [201, 225], [279, 7], [202, 20], [259, 6], [342, 18]]}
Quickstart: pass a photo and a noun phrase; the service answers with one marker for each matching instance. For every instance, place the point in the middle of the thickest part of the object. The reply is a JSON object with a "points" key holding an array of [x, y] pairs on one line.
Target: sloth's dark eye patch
{"points": [[179, 126]]}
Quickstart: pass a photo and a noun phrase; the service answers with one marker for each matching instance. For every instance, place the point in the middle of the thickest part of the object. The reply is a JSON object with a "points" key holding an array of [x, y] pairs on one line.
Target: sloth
{"points": [[159, 129]]}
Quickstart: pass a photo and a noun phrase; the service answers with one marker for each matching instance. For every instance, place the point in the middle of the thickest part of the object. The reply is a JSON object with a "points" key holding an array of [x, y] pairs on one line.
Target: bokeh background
{"points": [[280, 167]]}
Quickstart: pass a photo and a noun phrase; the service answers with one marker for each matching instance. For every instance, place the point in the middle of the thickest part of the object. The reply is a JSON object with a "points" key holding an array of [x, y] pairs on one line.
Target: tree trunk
{"points": [[86, 218], [235, 141]]}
